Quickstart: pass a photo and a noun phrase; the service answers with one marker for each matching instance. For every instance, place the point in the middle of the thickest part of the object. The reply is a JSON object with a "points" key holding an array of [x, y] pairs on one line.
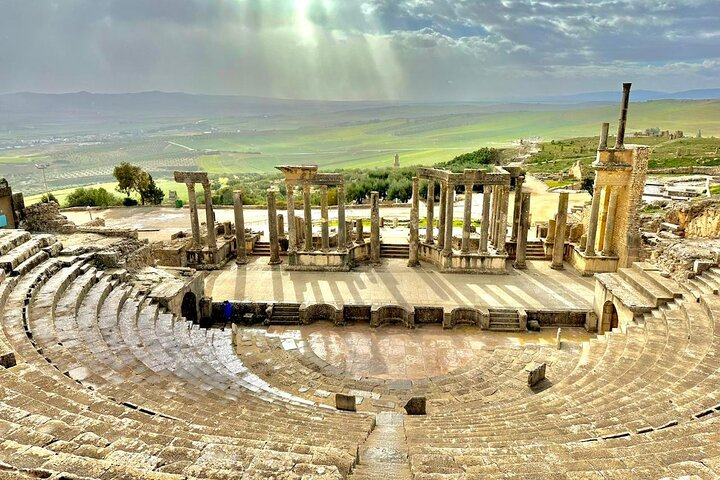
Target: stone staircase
{"points": [[261, 249], [384, 455], [705, 283], [504, 320], [285, 314], [394, 250], [535, 251]]}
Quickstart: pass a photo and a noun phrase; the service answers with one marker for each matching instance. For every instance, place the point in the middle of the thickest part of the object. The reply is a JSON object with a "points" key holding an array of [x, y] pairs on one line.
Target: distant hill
{"points": [[635, 95]]}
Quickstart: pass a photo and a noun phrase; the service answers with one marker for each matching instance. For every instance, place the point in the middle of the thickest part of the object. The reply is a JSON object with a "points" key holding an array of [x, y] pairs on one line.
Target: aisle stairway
{"points": [[285, 314], [261, 249], [384, 455], [504, 320], [394, 250], [535, 250]]}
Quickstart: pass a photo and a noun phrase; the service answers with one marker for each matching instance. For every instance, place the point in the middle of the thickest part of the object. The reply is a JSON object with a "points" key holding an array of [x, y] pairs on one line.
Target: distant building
{"points": [[397, 161]]}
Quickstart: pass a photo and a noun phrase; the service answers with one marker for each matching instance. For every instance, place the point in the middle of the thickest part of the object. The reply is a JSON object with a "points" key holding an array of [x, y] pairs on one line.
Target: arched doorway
{"points": [[189, 308], [609, 317]]}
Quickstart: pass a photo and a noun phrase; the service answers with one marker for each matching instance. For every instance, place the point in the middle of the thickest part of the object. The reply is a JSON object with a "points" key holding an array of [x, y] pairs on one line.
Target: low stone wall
{"points": [[558, 318], [463, 263], [46, 217]]}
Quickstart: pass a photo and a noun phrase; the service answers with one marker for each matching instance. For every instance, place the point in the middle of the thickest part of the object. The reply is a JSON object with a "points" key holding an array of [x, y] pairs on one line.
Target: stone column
{"points": [[495, 191], [430, 212], [441, 217], [485, 221], [272, 227], [374, 227], [560, 223], [359, 233], [239, 228], [467, 219], [194, 221], [502, 218], [447, 248], [209, 217], [281, 225], [517, 207], [308, 218], [610, 223], [325, 242], [292, 232], [592, 226], [522, 233], [413, 260], [342, 227]]}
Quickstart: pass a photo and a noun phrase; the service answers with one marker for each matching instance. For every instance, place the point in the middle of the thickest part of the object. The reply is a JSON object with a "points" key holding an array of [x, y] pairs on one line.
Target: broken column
{"points": [[239, 228], [209, 217], [281, 225], [604, 136], [430, 212], [272, 227], [342, 228], [610, 223], [560, 223], [308, 218], [467, 219], [359, 233], [325, 229], [413, 259], [374, 227], [522, 233], [485, 221]]}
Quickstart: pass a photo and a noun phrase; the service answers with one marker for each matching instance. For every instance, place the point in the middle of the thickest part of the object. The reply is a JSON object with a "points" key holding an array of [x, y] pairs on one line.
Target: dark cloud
{"points": [[358, 49]]}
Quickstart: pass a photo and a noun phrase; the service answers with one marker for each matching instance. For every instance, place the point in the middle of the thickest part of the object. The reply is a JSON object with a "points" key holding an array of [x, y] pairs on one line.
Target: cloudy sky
{"points": [[359, 49]]}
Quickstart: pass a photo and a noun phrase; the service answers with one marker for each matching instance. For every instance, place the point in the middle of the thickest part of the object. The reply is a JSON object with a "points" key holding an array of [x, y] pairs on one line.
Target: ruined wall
{"points": [[700, 218], [46, 217]]}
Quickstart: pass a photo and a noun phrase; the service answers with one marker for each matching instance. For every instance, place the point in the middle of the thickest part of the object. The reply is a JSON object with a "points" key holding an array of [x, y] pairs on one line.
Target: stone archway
{"points": [[189, 307], [610, 318]]}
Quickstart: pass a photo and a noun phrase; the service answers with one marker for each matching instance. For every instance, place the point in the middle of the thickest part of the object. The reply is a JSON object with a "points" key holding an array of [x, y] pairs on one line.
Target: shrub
{"points": [[91, 197], [129, 202]]}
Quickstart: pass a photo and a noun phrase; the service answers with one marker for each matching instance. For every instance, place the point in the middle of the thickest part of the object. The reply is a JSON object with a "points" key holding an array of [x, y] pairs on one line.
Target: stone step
{"points": [[655, 293]]}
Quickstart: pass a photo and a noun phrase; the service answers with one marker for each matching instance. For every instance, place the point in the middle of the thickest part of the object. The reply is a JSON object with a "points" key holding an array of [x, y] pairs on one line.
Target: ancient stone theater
{"points": [[458, 337]]}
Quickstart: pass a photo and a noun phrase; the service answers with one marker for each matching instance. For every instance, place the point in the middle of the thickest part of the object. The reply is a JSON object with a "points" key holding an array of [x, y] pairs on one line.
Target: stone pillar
{"points": [[447, 248], [292, 227], [551, 231], [308, 218], [194, 221], [560, 223], [342, 227], [413, 260], [485, 221], [325, 242], [273, 228], [610, 223], [430, 212], [441, 217], [522, 233], [502, 218], [467, 219], [281, 225], [592, 226], [359, 233], [517, 207], [493, 212], [604, 136], [374, 227], [239, 228], [209, 217], [349, 232]]}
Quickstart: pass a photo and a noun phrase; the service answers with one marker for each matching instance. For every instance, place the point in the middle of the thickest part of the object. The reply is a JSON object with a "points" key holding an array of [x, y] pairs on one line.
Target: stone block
{"points": [[415, 406], [345, 402], [7, 359], [536, 375], [533, 325]]}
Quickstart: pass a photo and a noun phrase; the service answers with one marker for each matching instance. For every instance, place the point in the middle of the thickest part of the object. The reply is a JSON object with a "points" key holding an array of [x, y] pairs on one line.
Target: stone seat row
{"points": [[292, 364], [48, 312]]}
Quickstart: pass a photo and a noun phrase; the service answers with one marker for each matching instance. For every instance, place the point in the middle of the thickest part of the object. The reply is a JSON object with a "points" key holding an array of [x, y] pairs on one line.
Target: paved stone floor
{"points": [[538, 287], [396, 352]]}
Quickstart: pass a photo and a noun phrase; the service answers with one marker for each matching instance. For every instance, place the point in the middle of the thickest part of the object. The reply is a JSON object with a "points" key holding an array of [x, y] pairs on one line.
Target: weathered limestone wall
{"points": [[46, 217], [699, 218]]}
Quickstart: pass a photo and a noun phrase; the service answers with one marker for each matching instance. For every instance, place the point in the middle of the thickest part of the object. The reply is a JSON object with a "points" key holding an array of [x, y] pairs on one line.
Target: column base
{"points": [[241, 261], [274, 262], [519, 265], [555, 266], [413, 263]]}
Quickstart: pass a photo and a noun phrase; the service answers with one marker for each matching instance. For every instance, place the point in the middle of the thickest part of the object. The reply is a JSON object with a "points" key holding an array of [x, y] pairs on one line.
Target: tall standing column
{"points": [[430, 212], [592, 226], [272, 226], [239, 228], [610, 223], [209, 217], [441, 217], [342, 228], [325, 242], [194, 221], [522, 233], [495, 193], [517, 207], [467, 219], [292, 231], [413, 259], [560, 223], [308, 218], [501, 234], [447, 248], [375, 227], [485, 221]]}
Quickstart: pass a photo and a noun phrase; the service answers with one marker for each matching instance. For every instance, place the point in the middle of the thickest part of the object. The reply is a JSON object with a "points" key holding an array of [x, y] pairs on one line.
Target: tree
{"points": [[132, 178], [151, 192], [49, 197]]}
